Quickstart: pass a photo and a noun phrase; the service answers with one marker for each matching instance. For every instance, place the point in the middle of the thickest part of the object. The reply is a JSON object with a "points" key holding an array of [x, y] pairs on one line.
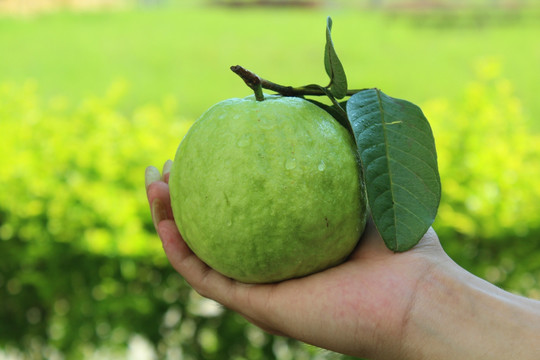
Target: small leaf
{"points": [[399, 160], [334, 69]]}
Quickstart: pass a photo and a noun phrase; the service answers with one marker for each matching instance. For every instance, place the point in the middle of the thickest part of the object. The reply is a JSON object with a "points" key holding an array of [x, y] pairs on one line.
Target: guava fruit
{"points": [[264, 191]]}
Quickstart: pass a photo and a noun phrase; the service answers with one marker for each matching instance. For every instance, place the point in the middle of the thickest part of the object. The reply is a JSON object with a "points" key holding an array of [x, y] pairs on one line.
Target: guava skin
{"points": [[264, 191]]}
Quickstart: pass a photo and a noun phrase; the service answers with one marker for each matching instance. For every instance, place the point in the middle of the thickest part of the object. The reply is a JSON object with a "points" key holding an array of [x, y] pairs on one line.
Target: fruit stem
{"points": [[257, 83], [259, 96], [251, 80]]}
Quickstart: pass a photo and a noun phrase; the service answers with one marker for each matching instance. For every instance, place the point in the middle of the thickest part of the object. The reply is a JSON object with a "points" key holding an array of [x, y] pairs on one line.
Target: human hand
{"points": [[360, 307]]}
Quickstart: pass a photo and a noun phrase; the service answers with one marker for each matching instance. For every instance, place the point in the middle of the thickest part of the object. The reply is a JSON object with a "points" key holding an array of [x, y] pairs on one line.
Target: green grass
{"points": [[186, 52]]}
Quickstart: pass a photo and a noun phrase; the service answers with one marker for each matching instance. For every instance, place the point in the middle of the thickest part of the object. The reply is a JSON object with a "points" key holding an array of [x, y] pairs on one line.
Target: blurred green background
{"points": [[91, 92]]}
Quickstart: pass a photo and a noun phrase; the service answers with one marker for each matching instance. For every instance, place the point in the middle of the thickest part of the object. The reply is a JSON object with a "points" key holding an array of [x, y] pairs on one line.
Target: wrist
{"points": [[457, 315]]}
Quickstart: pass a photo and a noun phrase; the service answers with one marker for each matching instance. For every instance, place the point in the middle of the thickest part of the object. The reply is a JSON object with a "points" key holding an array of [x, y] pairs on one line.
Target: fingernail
{"points": [[167, 167], [151, 175], [159, 212]]}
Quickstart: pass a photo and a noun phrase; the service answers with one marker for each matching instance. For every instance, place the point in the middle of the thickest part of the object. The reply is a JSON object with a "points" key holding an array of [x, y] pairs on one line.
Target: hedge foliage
{"points": [[82, 269], [489, 217], [74, 173]]}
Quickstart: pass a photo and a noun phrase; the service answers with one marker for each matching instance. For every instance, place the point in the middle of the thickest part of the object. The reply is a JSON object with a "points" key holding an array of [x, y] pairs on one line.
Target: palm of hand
{"points": [[354, 308]]}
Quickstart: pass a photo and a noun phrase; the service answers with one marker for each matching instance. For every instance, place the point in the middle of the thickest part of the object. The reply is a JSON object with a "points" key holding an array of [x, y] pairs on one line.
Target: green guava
{"points": [[264, 191]]}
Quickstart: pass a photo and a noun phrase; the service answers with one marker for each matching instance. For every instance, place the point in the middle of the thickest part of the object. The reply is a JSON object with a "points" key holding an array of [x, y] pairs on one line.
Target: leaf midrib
{"points": [[386, 146]]}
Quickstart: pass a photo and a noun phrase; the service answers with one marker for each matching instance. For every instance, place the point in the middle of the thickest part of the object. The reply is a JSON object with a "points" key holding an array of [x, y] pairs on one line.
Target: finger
{"points": [[160, 190], [179, 254], [371, 244], [151, 175], [203, 279], [430, 242], [206, 281], [166, 171], [246, 299]]}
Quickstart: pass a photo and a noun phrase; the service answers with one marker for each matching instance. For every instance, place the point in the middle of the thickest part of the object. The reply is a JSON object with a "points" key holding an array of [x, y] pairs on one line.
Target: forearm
{"points": [[459, 316]]}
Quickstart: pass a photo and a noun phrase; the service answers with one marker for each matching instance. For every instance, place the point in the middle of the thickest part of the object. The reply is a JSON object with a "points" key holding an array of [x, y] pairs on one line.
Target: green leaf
{"points": [[334, 69], [399, 161]]}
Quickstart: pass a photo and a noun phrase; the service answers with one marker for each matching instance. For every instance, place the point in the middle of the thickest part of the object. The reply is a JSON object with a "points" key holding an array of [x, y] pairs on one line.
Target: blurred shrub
{"points": [[73, 220], [489, 218], [82, 272], [81, 269], [75, 174]]}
